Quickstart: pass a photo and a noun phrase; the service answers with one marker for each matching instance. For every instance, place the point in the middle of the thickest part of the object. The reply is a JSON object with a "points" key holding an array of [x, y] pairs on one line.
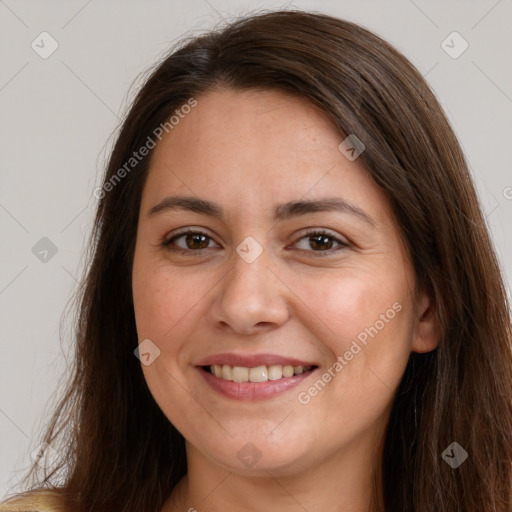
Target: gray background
{"points": [[58, 115]]}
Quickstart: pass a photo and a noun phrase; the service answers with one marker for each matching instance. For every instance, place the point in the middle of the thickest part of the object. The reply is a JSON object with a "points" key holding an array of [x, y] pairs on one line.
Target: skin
{"points": [[250, 151]]}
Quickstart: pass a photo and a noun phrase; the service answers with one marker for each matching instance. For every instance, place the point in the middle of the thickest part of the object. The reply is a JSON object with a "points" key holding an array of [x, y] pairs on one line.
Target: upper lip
{"points": [[251, 361]]}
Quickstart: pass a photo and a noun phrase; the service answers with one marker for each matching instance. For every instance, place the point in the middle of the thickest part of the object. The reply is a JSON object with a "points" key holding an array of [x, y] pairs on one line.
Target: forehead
{"points": [[226, 123], [255, 148]]}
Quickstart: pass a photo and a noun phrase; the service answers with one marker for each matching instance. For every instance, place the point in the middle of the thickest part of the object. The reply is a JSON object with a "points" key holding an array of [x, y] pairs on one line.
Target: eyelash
{"points": [[342, 245]]}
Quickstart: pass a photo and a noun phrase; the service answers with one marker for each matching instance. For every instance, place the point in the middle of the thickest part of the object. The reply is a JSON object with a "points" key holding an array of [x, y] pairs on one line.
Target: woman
{"points": [[293, 301]]}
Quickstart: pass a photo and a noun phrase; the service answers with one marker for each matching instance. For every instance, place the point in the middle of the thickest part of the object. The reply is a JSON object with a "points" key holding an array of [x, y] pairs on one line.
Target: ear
{"points": [[426, 333]]}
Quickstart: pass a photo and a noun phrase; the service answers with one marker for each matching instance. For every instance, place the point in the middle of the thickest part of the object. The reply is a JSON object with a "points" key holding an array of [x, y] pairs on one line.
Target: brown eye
{"points": [[322, 243], [188, 241], [196, 241]]}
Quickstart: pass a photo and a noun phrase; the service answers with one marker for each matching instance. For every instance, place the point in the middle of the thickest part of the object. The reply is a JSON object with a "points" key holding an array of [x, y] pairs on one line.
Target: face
{"points": [[305, 314]]}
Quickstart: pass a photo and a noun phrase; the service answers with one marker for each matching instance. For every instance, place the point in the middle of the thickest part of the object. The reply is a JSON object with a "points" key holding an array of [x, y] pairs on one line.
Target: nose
{"points": [[250, 297]]}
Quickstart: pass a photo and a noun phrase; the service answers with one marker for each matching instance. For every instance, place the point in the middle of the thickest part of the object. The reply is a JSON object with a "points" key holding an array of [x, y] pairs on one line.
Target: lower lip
{"points": [[252, 390]]}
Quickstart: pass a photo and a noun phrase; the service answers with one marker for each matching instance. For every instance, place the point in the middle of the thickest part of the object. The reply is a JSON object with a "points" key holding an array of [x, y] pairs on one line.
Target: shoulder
{"points": [[43, 500]]}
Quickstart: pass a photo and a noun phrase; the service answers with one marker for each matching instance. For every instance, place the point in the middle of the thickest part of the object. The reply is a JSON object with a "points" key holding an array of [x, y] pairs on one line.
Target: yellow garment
{"points": [[35, 501]]}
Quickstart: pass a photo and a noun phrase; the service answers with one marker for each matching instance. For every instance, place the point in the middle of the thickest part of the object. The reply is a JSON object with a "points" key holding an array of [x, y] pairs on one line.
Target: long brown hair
{"points": [[117, 449]]}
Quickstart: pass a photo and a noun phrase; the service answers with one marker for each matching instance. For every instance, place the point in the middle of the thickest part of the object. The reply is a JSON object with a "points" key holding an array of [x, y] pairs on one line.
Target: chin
{"points": [[255, 455]]}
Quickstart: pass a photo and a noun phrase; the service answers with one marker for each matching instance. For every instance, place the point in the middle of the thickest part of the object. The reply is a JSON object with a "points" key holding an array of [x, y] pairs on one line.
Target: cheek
{"points": [[368, 344], [365, 323], [164, 306], [163, 298], [354, 305]]}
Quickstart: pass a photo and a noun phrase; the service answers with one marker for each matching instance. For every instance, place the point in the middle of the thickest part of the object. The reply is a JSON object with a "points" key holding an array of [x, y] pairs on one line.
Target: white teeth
{"points": [[275, 372], [240, 374], [257, 373], [287, 371], [226, 372]]}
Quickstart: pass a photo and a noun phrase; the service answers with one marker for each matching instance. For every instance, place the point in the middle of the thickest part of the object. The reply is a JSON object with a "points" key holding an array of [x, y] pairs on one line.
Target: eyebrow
{"points": [[281, 212]]}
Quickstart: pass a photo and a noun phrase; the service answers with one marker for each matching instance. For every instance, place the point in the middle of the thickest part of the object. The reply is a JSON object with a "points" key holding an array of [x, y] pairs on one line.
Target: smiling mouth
{"points": [[261, 373]]}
